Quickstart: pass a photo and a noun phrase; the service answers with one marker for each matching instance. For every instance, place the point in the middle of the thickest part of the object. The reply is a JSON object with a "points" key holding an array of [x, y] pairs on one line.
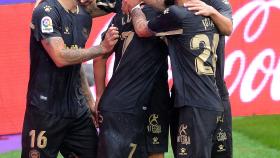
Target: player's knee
{"points": [[156, 155]]}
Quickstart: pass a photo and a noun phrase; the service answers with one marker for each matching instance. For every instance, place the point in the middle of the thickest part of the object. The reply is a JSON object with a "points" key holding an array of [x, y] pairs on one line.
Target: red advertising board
{"points": [[252, 67]]}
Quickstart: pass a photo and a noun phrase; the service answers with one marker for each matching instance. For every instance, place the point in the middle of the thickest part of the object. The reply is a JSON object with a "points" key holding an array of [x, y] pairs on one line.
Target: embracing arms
{"points": [[224, 23]]}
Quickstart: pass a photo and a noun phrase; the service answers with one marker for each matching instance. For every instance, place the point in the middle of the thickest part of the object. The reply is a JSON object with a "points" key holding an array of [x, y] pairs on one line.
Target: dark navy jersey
{"points": [[224, 7], [220, 68], [193, 56], [137, 63], [52, 89]]}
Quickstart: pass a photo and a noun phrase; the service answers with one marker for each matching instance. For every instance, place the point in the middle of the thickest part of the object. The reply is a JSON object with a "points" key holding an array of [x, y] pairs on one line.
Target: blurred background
{"points": [[252, 73]]}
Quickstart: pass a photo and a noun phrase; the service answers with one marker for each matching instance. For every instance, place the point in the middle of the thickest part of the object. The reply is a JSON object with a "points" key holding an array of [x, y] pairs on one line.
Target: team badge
{"points": [[46, 25], [154, 126], [34, 154]]}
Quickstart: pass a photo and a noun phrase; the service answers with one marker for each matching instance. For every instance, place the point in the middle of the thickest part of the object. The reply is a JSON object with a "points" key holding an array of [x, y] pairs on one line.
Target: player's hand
{"points": [[93, 111], [199, 7], [127, 5], [111, 38], [97, 118]]}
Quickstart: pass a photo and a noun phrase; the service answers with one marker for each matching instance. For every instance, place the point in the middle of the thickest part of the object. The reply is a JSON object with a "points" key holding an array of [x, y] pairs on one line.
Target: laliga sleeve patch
{"points": [[46, 25]]}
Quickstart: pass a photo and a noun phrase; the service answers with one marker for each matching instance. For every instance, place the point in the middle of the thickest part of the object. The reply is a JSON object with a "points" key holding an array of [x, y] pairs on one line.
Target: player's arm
{"points": [[139, 20], [222, 20], [63, 56], [168, 20], [86, 91], [47, 29], [99, 66]]}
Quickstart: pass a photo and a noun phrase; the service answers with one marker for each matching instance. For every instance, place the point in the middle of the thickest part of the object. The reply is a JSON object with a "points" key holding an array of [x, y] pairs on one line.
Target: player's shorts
{"points": [[122, 135], [193, 134], [223, 142], [44, 135], [158, 118]]}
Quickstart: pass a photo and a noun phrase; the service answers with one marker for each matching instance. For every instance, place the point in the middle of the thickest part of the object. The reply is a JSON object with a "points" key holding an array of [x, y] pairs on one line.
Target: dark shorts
{"points": [[158, 119], [122, 135], [223, 143], [193, 131], [44, 135]]}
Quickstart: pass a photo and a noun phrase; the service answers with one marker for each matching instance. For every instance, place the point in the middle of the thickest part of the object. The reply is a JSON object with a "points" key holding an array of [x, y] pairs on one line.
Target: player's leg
{"points": [[122, 135], [157, 134], [195, 133], [222, 147], [42, 134], [174, 122], [156, 155], [81, 138], [158, 117]]}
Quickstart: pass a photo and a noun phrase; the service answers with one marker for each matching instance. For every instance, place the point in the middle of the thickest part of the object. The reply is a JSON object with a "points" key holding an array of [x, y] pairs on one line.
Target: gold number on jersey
{"points": [[133, 148], [41, 139], [200, 66]]}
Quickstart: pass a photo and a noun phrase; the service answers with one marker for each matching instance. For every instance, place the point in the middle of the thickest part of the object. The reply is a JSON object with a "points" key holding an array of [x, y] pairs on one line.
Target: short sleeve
{"points": [[170, 19], [110, 5], [150, 12], [46, 21], [223, 6]]}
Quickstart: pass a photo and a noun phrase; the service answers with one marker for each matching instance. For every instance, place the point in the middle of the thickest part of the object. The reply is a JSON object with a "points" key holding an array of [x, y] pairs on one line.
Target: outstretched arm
{"points": [[62, 56]]}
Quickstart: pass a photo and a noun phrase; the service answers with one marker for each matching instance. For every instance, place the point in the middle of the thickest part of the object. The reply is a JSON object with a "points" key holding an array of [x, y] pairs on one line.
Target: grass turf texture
{"points": [[253, 137]]}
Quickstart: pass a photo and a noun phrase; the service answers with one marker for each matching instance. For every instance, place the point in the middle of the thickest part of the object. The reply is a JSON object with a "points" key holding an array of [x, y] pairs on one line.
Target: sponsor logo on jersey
{"points": [[183, 136], [154, 126]]}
